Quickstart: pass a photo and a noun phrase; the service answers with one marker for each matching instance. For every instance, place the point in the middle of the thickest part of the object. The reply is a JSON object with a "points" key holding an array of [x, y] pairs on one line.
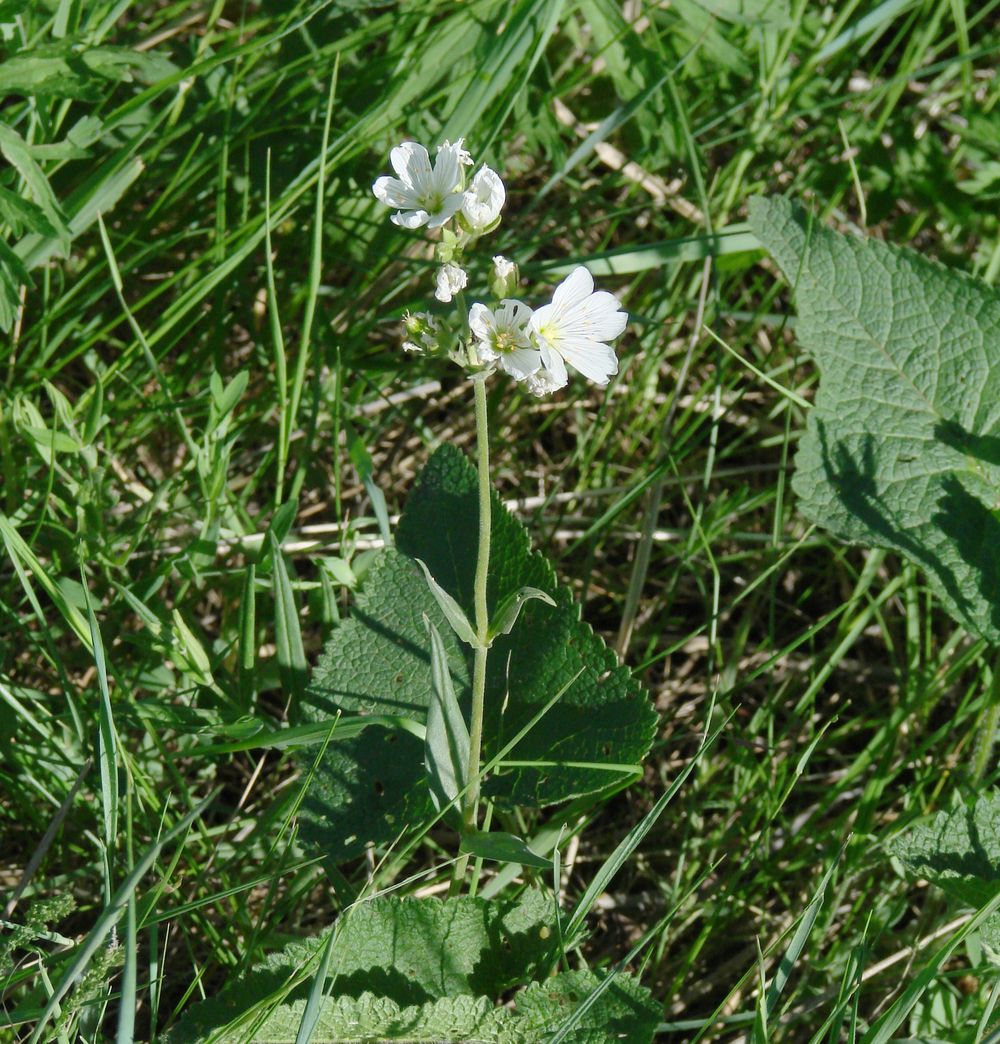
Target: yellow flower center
{"points": [[505, 341]]}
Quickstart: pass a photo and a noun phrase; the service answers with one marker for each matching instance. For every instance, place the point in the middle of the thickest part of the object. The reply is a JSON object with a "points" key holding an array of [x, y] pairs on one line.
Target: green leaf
{"points": [[624, 1011], [256, 737], [446, 743], [511, 608], [959, 852], [226, 398], [14, 150], [502, 58], [458, 621], [97, 195], [503, 848], [22, 213], [902, 449], [290, 653], [362, 461], [9, 9], [372, 1018], [377, 662], [191, 650], [770, 14], [278, 528], [398, 947], [13, 275], [426, 970], [122, 63], [54, 440], [63, 72], [40, 74], [94, 415]]}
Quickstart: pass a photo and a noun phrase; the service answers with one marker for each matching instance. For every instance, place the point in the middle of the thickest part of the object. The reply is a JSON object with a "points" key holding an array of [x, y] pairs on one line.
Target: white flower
{"points": [[423, 196], [503, 337], [575, 326], [450, 279], [544, 382], [411, 346], [483, 200], [463, 154]]}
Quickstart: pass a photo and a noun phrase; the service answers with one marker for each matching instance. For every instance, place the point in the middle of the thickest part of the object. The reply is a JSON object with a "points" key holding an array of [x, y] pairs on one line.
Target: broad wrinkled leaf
{"points": [[427, 970], [370, 1018], [377, 662], [959, 852], [902, 449], [395, 947], [623, 1012]]}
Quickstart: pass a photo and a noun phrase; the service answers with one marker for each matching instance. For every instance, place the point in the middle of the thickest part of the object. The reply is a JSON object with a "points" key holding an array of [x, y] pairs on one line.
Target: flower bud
{"points": [[449, 247], [483, 202], [422, 333], [450, 280], [503, 277]]}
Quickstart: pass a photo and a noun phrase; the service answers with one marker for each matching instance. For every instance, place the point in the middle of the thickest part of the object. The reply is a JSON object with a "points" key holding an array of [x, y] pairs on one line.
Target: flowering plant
{"points": [[466, 655], [531, 345]]}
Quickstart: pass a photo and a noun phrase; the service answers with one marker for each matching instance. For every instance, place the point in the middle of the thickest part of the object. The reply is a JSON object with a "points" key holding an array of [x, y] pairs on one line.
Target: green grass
{"points": [[133, 627]]}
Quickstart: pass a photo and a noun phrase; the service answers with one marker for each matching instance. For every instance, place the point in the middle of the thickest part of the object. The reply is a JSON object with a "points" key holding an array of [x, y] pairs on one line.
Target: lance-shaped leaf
{"points": [[510, 609], [370, 788], [452, 610], [902, 449], [446, 742], [503, 848]]}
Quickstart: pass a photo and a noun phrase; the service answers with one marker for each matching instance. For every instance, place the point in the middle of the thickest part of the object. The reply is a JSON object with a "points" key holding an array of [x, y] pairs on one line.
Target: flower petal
{"points": [[481, 322], [394, 193], [410, 218], [578, 285], [484, 199], [447, 211], [541, 319], [597, 362], [447, 173], [521, 363], [555, 367], [411, 162], [513, 313], [597, 318]]}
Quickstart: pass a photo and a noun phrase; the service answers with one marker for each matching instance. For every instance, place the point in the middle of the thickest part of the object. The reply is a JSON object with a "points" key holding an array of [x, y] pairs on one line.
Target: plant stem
{"points": [[987, 725], [482, 621], [482, 610]]}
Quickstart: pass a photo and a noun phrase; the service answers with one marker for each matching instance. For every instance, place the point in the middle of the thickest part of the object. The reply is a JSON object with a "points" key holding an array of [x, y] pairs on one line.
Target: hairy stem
{"points": [[470, 802]]}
